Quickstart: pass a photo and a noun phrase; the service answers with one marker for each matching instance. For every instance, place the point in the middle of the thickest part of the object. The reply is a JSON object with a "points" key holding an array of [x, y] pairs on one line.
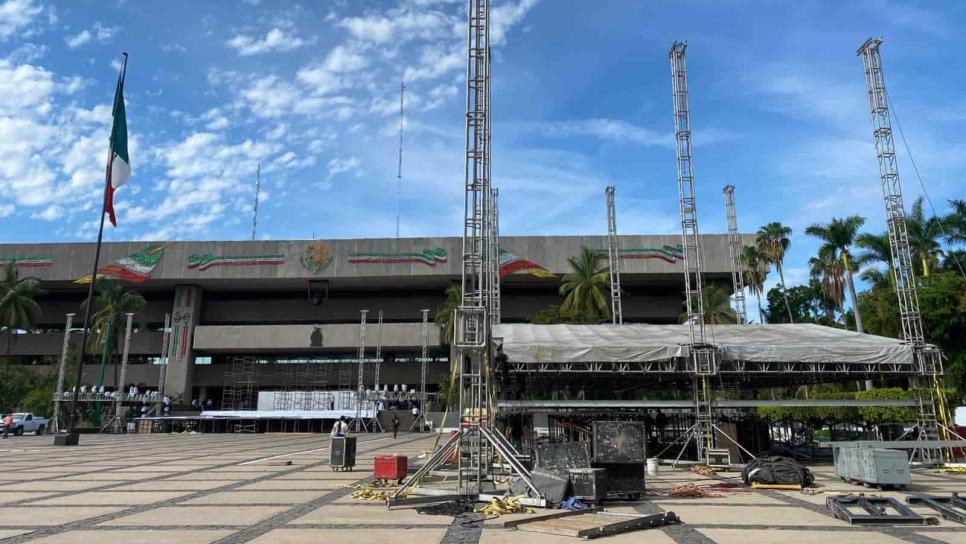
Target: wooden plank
{"points": [[595, 524]]}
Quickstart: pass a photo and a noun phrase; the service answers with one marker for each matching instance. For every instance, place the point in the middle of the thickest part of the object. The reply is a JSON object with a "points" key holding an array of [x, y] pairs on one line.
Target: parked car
{"points": [[25, 422]]}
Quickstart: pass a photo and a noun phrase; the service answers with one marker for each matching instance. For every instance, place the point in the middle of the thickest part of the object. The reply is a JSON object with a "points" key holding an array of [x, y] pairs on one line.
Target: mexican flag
{"points": [[118, 164]]}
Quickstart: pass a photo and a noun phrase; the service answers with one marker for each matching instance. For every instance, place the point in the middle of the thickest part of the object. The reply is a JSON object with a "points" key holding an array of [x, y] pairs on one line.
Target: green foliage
{"points": [[772, 241], [869, 414], [18, 309], [717, 305], [111, 303], [444, 312], [807, 304], [586, 289], [24, 389]]}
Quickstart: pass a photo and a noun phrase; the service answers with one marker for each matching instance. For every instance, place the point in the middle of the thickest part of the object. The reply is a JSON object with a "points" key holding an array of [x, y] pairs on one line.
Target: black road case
{"points": [[342, 453]]}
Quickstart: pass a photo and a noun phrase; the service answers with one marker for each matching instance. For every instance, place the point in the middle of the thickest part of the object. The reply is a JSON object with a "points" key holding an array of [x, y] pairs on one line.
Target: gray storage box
{"points": [[872, 466], [589, 484]]}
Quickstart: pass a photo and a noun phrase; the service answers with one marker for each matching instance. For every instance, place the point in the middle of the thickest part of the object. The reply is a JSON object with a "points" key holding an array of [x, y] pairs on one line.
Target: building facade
{"points": [[298, 301]]}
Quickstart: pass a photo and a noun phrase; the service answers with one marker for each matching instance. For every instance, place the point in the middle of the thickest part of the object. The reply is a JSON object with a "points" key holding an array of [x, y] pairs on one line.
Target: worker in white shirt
{"points": [[340, 428]]}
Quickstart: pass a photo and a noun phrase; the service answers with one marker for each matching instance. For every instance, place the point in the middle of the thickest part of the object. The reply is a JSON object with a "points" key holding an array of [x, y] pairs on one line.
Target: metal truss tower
{"points": [[375, 375], [494, 254], [734, 248], [613, 259], [258, 192], [360, 424], [928, 359], [703, 355], [476, 443]]}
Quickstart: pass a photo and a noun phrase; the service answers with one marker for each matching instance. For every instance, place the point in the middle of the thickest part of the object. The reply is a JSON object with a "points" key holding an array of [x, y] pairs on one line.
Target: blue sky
{"points": [[581, 100]]}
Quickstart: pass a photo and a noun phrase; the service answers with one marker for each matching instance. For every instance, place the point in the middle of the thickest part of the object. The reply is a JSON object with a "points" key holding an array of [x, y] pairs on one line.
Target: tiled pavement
{"points": [[200, 489]]}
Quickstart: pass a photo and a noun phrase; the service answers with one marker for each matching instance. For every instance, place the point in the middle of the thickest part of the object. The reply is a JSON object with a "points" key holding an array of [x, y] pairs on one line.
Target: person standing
{"points": [[416, 418], [7, 423], [395, 425], [340, 428]]}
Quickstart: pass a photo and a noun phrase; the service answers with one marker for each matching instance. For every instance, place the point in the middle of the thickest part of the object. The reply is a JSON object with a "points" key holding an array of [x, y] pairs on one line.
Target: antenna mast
{"points": [[734, 247], [402, 94], [613, 259], [258, 190]]}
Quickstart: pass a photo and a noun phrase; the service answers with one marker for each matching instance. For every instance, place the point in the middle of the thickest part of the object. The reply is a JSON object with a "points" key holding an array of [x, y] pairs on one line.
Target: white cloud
{"points": [[504, 16], [101, 33], [401, 25], [79, 39], [7, 210], [344, 59], [50, 213], [613, 130], [275, 40], [339, 165], [28, 52], [15, 15]]}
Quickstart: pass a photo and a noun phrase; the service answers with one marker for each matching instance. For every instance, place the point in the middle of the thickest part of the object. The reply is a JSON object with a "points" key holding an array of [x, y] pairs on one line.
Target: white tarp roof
{"points": [[808, 343]]}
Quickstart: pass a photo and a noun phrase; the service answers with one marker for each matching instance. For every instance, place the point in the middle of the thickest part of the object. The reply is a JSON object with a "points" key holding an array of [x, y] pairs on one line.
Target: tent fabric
{"points": [[633, 343]]}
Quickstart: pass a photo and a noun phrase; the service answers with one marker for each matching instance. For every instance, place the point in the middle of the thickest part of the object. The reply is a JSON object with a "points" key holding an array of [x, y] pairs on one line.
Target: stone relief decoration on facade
{"points": [[428, 257], [666, 253], [511, 262], [204, 261], [27, 262], [181, 323], [136, 267], [316, 258]]}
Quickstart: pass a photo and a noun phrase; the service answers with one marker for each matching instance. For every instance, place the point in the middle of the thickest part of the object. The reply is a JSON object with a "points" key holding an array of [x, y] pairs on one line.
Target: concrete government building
{"points": [[299, 301]]}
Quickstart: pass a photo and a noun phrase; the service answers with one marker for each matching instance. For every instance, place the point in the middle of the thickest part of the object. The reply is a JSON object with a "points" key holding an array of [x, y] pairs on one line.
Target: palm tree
{"points": [[717, 306], [956, 222], [772, 241], [878, 249], [756, 271], [18, 309], [923, 237], [111, 303], [586, 289], [839, 236], [827, 270], [444, 312]]}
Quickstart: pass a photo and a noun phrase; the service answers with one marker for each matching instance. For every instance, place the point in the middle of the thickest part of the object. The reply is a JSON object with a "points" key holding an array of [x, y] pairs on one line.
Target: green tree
{"points": [[18, 309], [827, 270], [444, 312], [773, 242], [586, 289], [838, 236], [923, 237], [548, 315], [956, 222], [805, 302], [717, 305], [111, 304], [876, 250], [756, 272]]}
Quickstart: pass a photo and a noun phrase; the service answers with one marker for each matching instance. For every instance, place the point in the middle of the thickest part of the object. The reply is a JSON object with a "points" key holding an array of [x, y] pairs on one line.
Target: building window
{"points": [[203, 360]]}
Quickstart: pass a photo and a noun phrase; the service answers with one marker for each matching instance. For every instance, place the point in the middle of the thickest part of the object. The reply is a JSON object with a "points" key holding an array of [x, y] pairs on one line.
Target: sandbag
{"points": [[777, 470]]}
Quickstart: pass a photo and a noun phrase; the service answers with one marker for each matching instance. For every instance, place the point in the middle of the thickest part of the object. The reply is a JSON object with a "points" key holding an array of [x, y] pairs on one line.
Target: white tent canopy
{"points": [[807, 343]]}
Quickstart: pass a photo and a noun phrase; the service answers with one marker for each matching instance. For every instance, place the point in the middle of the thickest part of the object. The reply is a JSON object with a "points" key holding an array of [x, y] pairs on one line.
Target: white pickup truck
{"points": [[24, 422]]}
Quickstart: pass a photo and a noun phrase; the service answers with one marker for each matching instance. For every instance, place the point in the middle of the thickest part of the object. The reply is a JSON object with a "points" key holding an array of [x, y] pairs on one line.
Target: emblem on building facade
{"points": [[429, 257], [316, 258], [136, 267], [511, 262], [27, 262], [666, 253], [204, 261]]}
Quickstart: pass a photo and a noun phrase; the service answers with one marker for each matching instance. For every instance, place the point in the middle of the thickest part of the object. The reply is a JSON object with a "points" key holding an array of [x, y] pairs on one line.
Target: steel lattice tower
{"points": [[703, 356], [495, 309], [423, 361], [734, 248], [927, 357], [375, 376], [360, 386], [613, 259]]}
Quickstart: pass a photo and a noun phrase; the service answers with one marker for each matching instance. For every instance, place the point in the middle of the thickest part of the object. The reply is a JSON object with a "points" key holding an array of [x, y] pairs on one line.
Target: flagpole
{"points": [[72, 420]]}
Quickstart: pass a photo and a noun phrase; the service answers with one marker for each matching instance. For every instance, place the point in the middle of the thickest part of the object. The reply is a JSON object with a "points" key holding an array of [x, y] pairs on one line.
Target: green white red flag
{"points": [[118, 163]]}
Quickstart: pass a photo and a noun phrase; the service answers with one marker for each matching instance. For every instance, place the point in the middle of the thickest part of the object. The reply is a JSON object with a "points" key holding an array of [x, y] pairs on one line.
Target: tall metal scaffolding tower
{"points": [[476, 440], [494, 258], [927, 385], [360, 424], [402, 95], [613, 259], [375, 375], [258, 191], [734, 248], [703, 355]]}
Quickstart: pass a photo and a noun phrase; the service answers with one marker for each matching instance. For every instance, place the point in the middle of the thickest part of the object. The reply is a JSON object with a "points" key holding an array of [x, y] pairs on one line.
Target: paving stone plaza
{"points": [[205, 488]]}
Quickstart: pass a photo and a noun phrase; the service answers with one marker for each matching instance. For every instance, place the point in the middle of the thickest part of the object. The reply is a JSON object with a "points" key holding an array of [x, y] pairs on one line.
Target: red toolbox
{"points": [[391, 467]]}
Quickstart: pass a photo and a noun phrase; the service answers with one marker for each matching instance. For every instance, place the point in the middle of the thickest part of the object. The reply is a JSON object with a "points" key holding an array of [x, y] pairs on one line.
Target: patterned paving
{"points": [[203, 489]]}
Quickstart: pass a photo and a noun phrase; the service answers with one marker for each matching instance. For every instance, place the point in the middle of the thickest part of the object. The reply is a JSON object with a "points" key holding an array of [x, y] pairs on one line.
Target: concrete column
{"points": [[181, 358]]}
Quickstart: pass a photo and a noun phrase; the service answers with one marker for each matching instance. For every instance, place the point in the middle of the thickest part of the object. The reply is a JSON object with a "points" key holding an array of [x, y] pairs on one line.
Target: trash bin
{"points": [[342, 453]]}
